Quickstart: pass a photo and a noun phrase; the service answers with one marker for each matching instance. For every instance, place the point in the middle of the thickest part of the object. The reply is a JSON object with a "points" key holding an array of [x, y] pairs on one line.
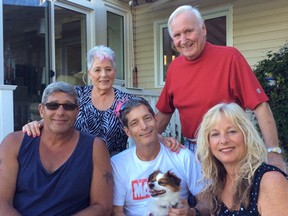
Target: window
{"points": [[24, 54], [218, 25], [38, 50], [70, 44], [216, 30], [115, 40], [161, 40], [169, 53], [119, 36]]}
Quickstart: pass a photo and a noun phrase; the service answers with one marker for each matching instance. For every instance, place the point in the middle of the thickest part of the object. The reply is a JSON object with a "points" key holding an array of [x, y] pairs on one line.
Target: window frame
{"points": [[219, 12], [127, 36], [158, 51]]}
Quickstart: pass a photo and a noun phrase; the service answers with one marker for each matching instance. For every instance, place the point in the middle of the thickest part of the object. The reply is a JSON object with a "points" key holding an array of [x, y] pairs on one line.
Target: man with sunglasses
{"points": [[61, 172], [132, 167]]}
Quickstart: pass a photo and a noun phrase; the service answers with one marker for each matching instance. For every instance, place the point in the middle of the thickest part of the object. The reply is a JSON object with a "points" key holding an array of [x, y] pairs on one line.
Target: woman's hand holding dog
{"points": [[185, 210]]}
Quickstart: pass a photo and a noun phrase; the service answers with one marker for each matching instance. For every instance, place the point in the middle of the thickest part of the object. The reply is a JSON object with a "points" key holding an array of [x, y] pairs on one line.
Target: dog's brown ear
{"points": [[153, 175], [174, 179]]}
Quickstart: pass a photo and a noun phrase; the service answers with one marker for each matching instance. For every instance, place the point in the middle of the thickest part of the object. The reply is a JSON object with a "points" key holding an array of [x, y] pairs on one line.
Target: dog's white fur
{"points": [[165, 193]]}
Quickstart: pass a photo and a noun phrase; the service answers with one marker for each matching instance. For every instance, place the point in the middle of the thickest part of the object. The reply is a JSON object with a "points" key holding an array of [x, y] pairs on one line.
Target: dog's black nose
{"points": [[151, 185]]}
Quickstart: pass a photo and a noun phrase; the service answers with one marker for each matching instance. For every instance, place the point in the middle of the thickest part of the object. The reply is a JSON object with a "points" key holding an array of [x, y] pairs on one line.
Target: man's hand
{"points": [[277, 160], [171, 143], [33, 128]]}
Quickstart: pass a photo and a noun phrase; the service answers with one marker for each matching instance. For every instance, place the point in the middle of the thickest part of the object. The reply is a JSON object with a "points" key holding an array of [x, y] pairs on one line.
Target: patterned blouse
{"points": [[252, 208], [104, 124]]}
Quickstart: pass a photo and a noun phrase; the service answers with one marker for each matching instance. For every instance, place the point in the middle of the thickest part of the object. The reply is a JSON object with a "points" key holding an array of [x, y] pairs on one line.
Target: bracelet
{"points": [[197, 212]]}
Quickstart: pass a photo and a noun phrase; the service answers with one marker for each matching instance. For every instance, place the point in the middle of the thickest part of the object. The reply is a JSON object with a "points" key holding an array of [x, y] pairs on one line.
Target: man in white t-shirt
{"points": [[132, 167]]}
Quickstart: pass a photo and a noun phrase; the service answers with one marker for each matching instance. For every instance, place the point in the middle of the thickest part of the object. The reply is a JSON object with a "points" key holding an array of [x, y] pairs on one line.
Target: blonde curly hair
{"points": [[214, 173]]}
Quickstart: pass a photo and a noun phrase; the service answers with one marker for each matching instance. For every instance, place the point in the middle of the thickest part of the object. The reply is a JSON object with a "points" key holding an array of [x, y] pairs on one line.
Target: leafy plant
{"points": [[272, 73]]}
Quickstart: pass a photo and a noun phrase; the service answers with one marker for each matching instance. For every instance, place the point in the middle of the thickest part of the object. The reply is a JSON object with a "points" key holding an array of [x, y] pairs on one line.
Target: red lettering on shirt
{"points": [[140, 189]]}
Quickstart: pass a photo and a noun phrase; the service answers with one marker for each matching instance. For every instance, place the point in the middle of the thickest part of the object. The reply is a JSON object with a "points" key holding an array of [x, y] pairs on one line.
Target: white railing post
{"points": [[6, 110]]}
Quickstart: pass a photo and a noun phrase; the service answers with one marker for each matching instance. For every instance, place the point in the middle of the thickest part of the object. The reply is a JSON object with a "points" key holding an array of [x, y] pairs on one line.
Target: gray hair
{"points": [[183, 9], [131, 104], [102, 53], [59, 87]]}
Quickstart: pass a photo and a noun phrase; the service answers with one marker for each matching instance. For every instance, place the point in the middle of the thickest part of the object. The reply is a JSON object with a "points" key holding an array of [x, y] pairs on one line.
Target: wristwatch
{"points": [[275, 149]]}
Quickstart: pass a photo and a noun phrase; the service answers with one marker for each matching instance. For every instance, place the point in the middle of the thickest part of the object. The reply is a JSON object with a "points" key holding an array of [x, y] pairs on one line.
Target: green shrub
{"points": [[272, 73]]}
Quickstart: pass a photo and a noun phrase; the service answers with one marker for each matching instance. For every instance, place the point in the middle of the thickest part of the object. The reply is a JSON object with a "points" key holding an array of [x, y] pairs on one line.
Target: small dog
{"points": [[165, 193]]}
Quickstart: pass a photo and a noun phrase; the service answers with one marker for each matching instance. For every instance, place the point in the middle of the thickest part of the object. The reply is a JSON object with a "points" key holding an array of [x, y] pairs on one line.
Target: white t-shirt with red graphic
{"points": [[131, 176]]}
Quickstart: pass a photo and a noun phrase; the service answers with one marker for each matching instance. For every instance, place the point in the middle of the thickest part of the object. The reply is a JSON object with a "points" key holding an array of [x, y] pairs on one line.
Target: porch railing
{"points": [[174, 127]]}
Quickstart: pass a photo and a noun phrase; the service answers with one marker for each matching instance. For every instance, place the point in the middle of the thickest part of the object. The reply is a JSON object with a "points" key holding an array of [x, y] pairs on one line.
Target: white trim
{"points": [[158, 52], [7, 87], [128, 37], [51, 43], [6, 111], [226, 10], [85, 8], [80, 4], [1, 45]]}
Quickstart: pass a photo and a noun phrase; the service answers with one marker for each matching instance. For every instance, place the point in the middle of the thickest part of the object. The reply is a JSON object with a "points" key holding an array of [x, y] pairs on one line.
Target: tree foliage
{"points": [[272, 73]]}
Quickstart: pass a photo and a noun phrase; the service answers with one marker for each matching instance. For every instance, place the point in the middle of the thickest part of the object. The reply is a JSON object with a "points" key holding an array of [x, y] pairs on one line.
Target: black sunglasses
{"points": [[125, 104], [66, 106]]}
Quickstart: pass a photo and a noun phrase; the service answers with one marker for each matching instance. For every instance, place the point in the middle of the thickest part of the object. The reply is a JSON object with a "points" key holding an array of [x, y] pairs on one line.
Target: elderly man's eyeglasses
{"points": [[66, 106]]}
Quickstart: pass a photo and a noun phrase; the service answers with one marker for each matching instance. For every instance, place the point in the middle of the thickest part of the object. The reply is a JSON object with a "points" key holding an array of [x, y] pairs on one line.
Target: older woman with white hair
{"points": [[234, 163], [98, 102]]}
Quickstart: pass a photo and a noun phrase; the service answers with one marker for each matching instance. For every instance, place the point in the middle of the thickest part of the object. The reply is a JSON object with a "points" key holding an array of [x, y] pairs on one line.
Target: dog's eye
{"points": [[161, 182]]}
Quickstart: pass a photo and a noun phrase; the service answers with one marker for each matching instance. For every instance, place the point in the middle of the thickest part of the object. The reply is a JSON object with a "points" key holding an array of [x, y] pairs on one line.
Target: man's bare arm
{"points": [[8, 172], [268, 128], [101, 193], [162, 121], [118, 211]]}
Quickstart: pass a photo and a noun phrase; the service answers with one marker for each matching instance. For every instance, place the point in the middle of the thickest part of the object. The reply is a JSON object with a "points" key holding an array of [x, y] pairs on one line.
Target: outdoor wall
{"points": [[258, 26]]}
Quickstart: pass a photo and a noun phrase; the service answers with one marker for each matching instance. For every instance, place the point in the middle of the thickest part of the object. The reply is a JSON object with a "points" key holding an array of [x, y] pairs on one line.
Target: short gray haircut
{"points": [[59, 87], [183, 9], [102, 53]]}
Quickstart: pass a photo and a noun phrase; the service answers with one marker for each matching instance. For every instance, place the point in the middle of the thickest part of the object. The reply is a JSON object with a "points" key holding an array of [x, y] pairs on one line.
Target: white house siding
{"points": [[144, 52], [258, 26]]}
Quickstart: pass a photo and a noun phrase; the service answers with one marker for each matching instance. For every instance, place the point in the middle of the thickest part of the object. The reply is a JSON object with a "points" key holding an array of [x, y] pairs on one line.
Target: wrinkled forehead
{"points": [[102, 58], [137, 111], [60, 96]]}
